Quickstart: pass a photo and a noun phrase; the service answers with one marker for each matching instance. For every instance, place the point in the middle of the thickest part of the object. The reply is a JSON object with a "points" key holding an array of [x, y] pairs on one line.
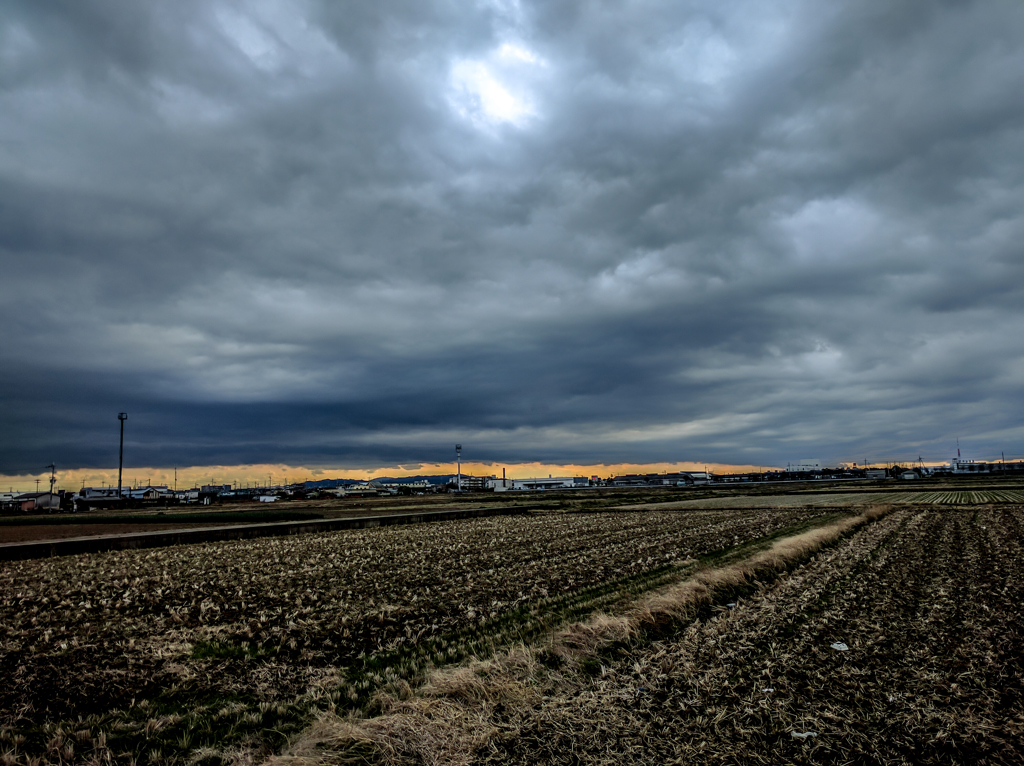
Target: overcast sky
{"points": [[355, 233]]}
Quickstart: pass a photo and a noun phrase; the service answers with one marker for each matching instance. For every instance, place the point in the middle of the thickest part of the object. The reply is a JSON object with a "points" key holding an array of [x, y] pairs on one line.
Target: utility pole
{"points": [[122, 416], [458, 457], [49, 500]]}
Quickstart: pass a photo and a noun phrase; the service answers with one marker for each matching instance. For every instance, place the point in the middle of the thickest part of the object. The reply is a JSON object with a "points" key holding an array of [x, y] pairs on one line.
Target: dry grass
{"points": [[453, 716], [446, 722], [291, 626]]}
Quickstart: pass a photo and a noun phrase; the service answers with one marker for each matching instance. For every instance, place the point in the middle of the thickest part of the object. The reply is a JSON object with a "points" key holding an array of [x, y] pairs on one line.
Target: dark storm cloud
{"points": [[352, 234]]}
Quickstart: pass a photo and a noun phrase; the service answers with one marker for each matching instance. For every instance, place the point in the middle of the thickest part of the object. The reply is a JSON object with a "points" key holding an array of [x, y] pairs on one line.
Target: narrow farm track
{"points": [[161, 654], [929, 604]]}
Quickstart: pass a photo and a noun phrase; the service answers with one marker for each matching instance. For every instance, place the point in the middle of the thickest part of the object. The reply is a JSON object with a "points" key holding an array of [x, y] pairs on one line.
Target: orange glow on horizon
{"points": [[276, 474]]}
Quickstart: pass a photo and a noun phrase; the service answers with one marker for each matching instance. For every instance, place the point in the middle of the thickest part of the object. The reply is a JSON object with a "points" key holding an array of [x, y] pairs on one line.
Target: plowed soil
{"points": [[900, 646], [96, 643]]}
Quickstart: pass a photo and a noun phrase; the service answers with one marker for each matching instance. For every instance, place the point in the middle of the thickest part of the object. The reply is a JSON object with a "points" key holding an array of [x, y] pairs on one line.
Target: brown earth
{"points": [[31, 532], [122, 644], [900, 646]]}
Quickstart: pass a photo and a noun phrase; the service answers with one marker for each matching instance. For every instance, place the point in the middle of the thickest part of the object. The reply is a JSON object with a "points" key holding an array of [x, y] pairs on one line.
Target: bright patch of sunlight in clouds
{"points": [[494, 90]]}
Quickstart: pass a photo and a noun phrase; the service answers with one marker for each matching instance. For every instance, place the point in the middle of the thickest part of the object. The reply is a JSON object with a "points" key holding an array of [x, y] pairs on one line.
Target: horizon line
{"points": [[255, 473]]}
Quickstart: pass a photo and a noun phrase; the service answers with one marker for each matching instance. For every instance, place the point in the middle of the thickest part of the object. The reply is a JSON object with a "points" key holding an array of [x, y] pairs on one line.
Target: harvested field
{"points": [[25, 534], [849, 499], [90, 525], [928, 605], [179, 654], [956, 497], [796, 499]]}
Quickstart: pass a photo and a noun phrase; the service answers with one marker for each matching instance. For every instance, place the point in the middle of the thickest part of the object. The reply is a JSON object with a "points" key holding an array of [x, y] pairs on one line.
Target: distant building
{"points": [[631, 480], [804, 466], [677, 479], [99, 497], [421, 486], [475, 483], [958, 465], [38, 501], [551, 482], [98, 493], [149, 493], [362, 489], [699, 477]]}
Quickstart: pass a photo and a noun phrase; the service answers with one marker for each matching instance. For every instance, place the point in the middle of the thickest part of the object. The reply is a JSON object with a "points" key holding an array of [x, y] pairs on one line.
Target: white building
{"points": [[129, 493], [362, 489], [551, 482], [100, 493], [807, 464], [699, 477], [958, 465]]}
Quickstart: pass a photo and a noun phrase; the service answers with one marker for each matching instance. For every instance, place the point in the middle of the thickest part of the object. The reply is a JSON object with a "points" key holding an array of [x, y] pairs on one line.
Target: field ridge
{"points": [[451, 717]]}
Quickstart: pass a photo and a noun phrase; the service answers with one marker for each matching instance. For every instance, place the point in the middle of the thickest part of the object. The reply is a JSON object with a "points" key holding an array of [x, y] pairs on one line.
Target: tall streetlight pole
{"points": [[458, 457], [122, 416]]}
